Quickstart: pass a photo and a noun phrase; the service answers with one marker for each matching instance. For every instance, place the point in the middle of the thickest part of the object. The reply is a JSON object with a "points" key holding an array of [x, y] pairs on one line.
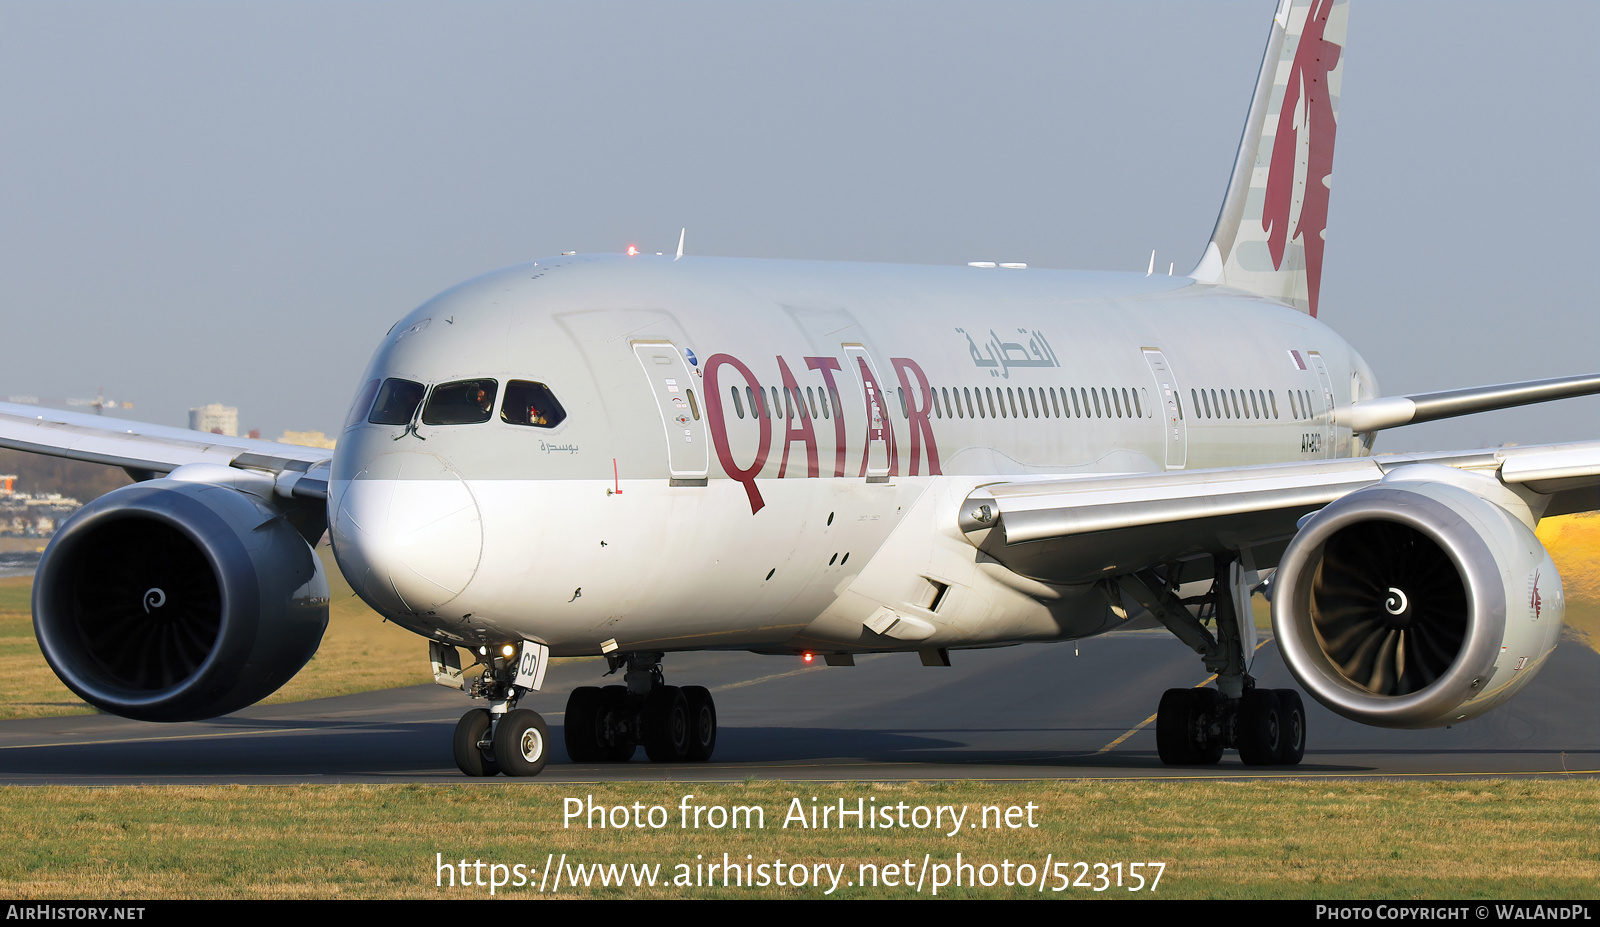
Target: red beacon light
{"points": [[809, 657], [633, 251]]}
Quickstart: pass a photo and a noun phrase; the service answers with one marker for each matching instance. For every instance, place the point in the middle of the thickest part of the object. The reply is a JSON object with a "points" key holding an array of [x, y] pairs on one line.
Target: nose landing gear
{"points": [[502, 737]]}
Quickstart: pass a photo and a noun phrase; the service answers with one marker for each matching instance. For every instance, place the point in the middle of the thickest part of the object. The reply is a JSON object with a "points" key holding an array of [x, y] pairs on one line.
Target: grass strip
{"points": [[1219, 839]]}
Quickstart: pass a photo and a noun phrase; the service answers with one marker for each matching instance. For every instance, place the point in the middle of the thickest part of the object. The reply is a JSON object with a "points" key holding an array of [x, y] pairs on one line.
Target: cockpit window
{"points": [[529, 403], [358, 409], [397, 402], [464, 402]]}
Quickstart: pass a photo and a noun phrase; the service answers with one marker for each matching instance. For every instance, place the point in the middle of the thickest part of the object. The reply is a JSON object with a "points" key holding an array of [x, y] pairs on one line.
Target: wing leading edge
{"points": [[1087, 529], [147, 451]]}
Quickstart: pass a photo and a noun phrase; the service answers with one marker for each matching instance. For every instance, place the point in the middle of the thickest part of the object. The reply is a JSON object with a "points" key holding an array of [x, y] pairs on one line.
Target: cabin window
{"points": [[838, 410], [460, 402], [1272, 395], [776, 402], [904, 412], [811, 397], [363, 404], [529, 403], [1116, 401], [397, 402], [738, 403], [1011, 397], [1075, 409], [1138, 408], [694, 407], [1255, 410]]}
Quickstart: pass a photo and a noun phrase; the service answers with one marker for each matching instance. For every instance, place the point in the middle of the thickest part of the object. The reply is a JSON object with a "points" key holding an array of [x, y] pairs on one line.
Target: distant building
{"points": [[306, 439], [215, 418]]}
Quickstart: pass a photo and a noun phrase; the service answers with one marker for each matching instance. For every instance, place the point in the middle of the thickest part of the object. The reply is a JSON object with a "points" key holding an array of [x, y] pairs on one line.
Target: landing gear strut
{"points": [[1194, 726], [502, 737], [672, 724]]}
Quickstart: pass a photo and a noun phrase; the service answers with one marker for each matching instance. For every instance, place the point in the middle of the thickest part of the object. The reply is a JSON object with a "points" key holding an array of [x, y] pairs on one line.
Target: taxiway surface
{"points": [[1030, 712]]}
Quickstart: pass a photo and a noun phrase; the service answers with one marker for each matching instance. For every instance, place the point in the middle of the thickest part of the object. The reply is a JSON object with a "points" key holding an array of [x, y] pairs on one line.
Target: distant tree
{"points": [[37, 473]]}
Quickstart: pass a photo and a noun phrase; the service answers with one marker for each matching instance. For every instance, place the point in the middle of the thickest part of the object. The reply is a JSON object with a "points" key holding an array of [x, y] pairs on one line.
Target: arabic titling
{"points": [[1000, 356]]}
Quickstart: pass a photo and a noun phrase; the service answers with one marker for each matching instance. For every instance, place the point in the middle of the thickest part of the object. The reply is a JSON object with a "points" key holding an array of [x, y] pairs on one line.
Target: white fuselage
{"points": [[671, 509]]}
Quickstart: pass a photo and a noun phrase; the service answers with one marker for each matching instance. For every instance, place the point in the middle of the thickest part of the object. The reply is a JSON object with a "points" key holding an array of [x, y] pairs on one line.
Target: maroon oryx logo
{"points": [[1308, 88]]}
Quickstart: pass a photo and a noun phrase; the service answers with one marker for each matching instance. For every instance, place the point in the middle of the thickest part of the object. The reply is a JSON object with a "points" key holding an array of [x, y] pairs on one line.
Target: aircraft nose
{"points": [[407, 532]]}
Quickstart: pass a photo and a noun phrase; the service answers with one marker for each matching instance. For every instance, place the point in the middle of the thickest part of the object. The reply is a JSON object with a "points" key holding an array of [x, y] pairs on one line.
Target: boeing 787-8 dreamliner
{"points": [[634, 455]]}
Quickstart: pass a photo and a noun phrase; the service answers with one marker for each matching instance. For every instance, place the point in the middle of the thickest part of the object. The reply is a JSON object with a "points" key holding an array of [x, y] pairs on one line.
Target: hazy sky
{"points": [[233, 201]]}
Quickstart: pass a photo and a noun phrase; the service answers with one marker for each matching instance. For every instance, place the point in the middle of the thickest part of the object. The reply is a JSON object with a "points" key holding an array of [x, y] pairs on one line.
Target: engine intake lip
{"points": [[215, 633], [1465, 549]]}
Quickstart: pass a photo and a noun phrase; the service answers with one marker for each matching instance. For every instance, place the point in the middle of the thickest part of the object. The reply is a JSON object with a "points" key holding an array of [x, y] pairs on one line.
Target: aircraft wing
{"points": [[147, 451], [1083, 529]]}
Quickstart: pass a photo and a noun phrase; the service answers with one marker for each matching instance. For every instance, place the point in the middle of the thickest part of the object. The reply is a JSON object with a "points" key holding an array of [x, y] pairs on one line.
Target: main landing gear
{"points": [[606, 725], [1266, 726], [1194, 726]]}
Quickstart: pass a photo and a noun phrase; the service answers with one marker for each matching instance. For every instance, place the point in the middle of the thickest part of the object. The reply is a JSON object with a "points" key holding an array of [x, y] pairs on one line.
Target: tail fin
{"points": [[1269, 236]]}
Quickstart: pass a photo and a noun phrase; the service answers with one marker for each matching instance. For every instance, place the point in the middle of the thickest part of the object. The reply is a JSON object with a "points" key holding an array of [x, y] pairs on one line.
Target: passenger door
{"points": [[676, 389]]}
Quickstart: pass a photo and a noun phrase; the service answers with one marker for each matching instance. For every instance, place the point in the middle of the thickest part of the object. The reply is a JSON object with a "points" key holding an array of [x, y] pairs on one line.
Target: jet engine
{"points": [[1418, 602], [173, 600]]}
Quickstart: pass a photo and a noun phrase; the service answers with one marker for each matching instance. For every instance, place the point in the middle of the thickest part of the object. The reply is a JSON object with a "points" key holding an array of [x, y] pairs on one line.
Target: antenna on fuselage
{"points": [[1152, 268], [681, 233]]}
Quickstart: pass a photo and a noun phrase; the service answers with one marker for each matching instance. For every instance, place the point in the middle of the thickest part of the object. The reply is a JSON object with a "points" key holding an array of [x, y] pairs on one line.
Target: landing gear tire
{"points": [[702, 723], [522, 743], [1207, 706], [665, 725], [1175, 728], [581, 729], [1292, 717], [616, 745], [1260, 728], [471, 758]]}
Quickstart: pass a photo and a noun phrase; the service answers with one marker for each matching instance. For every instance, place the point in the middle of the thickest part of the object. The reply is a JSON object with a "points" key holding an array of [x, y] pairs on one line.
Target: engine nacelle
{"points": [[1418, 602], [175, 601]]}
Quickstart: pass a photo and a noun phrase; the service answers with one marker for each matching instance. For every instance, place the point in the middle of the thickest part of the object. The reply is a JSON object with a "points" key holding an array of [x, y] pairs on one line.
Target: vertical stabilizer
{"points": [[1269, 237]]}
